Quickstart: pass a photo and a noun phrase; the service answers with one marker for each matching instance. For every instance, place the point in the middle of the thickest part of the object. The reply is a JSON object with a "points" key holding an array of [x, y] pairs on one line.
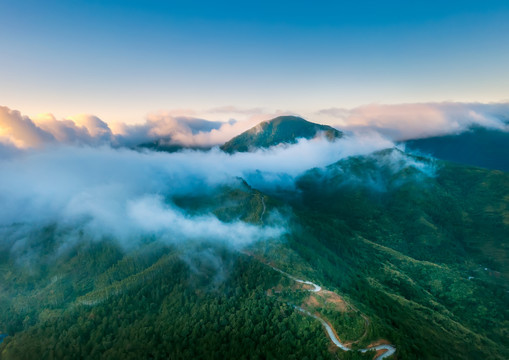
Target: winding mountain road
{"points": [[264, 208], [389, 349]]}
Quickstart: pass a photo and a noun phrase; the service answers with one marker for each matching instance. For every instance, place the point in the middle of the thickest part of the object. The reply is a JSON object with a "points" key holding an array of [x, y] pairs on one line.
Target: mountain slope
{"points": [[478, 146], [283, 129], [415, 248], [427, 249]]}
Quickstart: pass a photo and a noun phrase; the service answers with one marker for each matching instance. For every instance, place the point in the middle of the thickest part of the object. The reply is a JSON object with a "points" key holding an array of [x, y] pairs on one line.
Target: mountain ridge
{"points": [[282, 129], [477, 146]]}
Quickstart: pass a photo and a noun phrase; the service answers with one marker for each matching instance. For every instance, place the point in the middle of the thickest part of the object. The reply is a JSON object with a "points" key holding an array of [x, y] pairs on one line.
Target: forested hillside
{"points": [[478, 147], [412, 252], [280, 130]]}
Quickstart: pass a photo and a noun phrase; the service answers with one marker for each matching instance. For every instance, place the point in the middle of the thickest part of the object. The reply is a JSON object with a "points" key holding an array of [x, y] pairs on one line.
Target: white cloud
{"points": [[119, 193], [396, 122], [407, 121], [21, 130], [177, 127]]}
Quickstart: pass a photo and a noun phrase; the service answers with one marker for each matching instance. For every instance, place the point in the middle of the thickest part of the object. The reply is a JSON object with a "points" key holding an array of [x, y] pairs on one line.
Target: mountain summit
{"points": [[283, 129]]}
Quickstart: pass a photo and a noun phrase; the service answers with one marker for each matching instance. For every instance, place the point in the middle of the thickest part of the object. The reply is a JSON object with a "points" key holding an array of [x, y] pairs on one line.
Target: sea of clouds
{"points": [[85, 177]]}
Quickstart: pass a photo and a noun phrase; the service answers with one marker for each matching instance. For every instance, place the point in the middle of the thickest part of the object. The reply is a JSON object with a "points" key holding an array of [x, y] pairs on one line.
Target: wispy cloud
{"points": [[407, 121], [126, 194]]}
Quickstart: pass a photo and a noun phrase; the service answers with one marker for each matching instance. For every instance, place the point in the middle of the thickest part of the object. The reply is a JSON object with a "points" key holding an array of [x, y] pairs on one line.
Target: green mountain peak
{"points": [[282, 129]]}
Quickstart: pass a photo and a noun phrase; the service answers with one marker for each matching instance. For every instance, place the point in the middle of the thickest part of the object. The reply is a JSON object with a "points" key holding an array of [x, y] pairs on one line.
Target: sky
{"points": [[124, 61], [83, 82]]}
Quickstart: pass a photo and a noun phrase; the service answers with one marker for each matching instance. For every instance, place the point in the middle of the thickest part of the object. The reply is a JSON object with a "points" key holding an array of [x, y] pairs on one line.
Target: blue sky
{"points": [[121, 60]]}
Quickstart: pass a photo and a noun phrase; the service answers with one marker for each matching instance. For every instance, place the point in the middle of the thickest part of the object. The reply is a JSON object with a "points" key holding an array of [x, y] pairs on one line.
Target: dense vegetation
{"points": [[477, 146], [283, 129], [424, 247], [185, 310], [414, 251]]}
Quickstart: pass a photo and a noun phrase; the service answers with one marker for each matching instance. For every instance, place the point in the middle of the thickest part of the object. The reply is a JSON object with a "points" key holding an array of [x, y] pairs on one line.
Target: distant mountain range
{"points": [[478, 147], [166, 145], [280, 130]]}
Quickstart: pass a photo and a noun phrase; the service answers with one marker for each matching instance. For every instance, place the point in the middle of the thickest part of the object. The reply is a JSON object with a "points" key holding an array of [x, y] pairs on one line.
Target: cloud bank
{"points": [[166, 128], [81, 176], [412, 121], [396, 122], [126, 195]]}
